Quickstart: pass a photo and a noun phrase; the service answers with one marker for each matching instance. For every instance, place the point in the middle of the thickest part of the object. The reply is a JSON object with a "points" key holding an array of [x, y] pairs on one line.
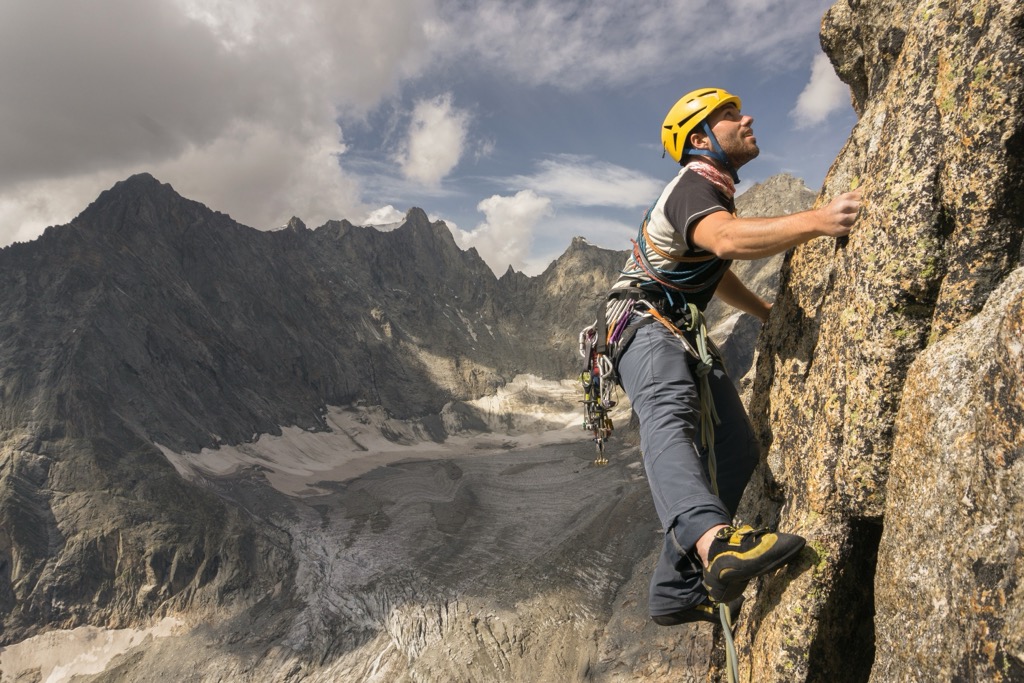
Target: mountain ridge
{"points": [[142, 323]]}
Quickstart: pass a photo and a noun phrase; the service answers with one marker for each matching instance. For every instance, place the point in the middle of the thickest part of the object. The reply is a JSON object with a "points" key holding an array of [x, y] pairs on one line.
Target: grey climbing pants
{"points": [[658, 375]]}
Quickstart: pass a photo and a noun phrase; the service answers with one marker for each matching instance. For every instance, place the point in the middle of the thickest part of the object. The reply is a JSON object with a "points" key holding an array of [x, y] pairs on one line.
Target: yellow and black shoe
{"points": [[738, 555], [705, 611]]}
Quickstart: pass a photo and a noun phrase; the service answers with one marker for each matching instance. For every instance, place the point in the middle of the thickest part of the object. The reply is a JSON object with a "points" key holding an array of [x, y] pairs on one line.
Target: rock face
{"points": [[938, 152], [957, 466]]}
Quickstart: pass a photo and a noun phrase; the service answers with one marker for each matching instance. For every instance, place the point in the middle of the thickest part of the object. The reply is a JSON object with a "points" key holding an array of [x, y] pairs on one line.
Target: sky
{"points": [[520, 123]]}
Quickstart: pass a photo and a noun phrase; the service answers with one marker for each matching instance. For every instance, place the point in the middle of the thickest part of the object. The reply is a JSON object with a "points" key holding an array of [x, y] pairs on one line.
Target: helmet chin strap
{"points": [[716, 152]]}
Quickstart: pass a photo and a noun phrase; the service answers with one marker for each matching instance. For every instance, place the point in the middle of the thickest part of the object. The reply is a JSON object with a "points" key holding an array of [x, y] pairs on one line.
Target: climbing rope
{"points": [[732, 668]]}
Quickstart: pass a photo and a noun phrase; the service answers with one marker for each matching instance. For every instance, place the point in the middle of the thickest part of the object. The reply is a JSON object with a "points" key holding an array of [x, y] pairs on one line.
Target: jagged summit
{"points": [[142, 205], [295, 223], [416, 215], [140, 182], [418, 223], [139, 187], [776, 196]]}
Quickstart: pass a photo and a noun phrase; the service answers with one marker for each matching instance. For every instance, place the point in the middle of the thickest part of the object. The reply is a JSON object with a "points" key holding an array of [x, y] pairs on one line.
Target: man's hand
{"points": [[729, 237], [839, 216]]}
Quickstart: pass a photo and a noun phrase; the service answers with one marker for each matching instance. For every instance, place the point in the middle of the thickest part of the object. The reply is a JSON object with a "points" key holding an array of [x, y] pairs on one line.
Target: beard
{"points": [[741, 151]]}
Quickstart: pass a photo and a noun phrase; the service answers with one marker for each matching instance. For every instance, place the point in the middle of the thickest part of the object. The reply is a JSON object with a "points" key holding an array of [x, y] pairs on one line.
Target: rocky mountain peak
{"points": [[295, 224], [135, 190], [416, 216], [142, 205], [779, 195], [418, 228]]}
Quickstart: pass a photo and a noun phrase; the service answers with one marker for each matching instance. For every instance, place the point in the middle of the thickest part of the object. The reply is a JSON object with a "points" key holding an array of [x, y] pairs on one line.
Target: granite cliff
{"points": [[888, 376]]}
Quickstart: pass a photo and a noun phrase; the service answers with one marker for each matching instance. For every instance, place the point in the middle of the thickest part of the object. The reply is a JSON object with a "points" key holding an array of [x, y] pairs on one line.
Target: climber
{"points": [[680, 259]]}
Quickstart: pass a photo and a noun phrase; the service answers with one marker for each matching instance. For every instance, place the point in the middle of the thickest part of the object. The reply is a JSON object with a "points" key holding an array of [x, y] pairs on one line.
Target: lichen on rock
{"points": [[937, 152]]}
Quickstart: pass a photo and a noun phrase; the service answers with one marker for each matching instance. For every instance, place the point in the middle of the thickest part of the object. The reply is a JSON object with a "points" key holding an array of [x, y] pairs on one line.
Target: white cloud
{"points": [[505, 237], [584, 181], [385, 215], [262, 175], [242, 95], [437, 136], [575, 44], [823, 95]]}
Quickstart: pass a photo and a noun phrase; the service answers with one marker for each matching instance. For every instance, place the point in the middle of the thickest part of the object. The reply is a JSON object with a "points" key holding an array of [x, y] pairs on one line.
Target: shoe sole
{"points": [[708, 615]]}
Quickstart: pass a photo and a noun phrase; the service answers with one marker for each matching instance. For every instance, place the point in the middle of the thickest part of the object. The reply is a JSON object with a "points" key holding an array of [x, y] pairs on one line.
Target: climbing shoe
{"points": [[705, 611], [738, 555]]}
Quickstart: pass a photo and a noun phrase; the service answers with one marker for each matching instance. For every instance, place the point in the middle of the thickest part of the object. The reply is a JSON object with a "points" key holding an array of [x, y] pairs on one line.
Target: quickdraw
{"points": [[598, 391]]}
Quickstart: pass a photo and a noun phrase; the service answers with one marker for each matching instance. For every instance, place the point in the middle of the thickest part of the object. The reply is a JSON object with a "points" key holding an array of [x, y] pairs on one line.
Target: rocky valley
{"points": [[292, 456]]}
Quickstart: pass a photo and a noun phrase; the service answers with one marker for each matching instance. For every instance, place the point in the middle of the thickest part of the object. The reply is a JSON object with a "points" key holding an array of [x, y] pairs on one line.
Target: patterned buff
{"points": [[717, 177]]}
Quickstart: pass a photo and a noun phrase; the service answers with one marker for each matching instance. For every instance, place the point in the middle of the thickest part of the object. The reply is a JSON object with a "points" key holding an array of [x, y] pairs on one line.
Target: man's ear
{"points": [[699, 140]]}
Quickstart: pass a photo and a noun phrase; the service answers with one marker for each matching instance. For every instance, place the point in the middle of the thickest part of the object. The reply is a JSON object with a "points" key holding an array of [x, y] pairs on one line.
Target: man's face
{"points": [[734, 133]]}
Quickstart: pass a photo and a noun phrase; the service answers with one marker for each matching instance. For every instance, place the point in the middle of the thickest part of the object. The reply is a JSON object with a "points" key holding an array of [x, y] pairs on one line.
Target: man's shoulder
{"points": [[693, 191]]}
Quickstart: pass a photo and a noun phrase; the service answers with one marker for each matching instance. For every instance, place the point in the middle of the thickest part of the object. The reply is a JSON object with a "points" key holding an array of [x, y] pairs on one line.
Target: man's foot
{"points": [[738, 555], [705, 611]]}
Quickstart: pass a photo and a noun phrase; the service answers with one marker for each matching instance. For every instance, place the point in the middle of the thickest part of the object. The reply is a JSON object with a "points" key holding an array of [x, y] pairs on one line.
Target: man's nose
{"points": [[747, 120]]}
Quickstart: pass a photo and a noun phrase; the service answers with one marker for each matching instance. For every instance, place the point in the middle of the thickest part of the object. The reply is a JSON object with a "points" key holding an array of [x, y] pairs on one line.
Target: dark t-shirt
{"points": [[691, 199], [684, 201]]}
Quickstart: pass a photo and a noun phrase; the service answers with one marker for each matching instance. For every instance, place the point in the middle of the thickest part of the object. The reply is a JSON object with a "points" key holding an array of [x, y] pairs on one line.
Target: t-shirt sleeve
{"points": [[693, 198]]}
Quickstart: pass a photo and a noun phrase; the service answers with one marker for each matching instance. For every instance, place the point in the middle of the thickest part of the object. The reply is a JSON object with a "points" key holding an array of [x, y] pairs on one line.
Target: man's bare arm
{"points": [[729, 237], [732, 291]]}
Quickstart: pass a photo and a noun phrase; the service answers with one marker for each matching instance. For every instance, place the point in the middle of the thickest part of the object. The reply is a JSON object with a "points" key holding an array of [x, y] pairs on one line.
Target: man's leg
{"points": [[734, 556], [737, 450], [656, 374]]}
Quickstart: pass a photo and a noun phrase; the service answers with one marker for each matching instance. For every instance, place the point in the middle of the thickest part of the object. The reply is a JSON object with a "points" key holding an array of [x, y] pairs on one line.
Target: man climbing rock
{"points": [[698, 466]]}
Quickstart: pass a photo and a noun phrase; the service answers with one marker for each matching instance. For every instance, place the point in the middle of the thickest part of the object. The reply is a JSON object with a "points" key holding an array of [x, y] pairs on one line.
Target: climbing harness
{"points": [[658, 295]]}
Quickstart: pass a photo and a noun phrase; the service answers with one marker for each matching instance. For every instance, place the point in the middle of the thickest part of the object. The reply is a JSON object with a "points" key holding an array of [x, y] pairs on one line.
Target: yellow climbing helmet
{"points": [[688, 113]]}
